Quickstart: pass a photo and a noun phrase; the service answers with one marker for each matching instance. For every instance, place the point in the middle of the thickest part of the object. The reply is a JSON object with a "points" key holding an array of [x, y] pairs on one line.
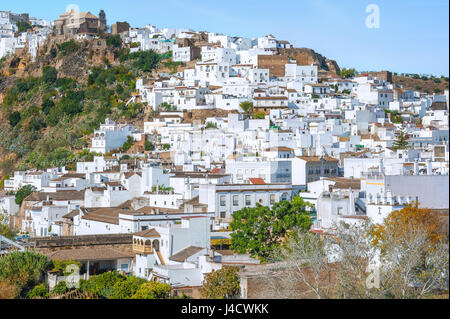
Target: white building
{"points": [[110, 136]]}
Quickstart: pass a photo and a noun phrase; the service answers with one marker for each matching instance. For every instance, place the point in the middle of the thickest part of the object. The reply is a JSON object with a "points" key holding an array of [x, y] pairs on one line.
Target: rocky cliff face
{"points": [[305, 56], [90, 53]]}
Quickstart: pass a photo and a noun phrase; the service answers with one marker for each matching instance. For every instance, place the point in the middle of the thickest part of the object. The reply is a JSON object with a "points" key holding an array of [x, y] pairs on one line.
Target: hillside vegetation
{"points": [[425, 84], [46, 120]]}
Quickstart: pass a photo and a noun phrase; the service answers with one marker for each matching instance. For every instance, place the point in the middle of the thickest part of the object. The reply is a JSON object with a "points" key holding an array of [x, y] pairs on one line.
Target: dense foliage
{"points": [[23, 26], [103, 285], [47, 120], [23, 269], [23, 193], [152, 290], [259, 230], [144, 61], [222, 284]]}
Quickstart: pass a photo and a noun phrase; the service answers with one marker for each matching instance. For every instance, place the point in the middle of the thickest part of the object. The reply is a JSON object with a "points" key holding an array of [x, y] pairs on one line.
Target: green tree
{"points": [[47, 105], [68, 47], [259, 230], [23, 193], [126, 289], [347, 73], [127, 145], [14, 118], [114, 41], [39, 291], [24, 269], [149, 146], [210, 125], [144, 61], [222, 284], [152, 290], [247, 107], [50, 75], [23, 26], [103, 285], [401, 140]]}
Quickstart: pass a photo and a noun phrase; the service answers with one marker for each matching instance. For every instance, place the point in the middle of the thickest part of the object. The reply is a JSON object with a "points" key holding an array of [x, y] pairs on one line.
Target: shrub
{"points": [[47, 105], [23, 193], [152, 290], [23, 269], [8, 290], [14, 118], [50, 75], [68, 47], [222, 284], [125, 289], [127, 145], [145, 61], [149, 146], [103, 285], [114, 41], [23, 26], [37, 123], [259, 116], [39, 291], [211, 125], [60, 289]]}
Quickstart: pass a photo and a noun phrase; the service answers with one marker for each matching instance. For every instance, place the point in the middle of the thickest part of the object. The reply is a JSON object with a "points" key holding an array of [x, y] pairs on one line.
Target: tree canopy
{"points": [[23, 193], [222, 284], [401, 141], [247, 107], [259, 230]]}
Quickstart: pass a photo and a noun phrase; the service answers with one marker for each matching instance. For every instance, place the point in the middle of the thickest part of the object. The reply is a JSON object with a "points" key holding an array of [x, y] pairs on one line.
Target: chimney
{"points": [[429, 170], [416, 167]]}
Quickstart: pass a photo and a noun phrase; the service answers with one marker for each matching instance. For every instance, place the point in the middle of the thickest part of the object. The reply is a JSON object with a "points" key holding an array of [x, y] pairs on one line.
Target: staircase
{"points": [[159, 257]]}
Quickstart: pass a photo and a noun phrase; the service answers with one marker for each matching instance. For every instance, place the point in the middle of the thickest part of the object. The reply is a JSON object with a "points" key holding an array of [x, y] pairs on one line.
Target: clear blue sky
{"points": [[413, 36]]}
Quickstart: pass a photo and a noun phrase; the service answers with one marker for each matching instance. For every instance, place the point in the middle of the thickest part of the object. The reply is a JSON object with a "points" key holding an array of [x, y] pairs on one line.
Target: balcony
{"points": [[142, 247]]}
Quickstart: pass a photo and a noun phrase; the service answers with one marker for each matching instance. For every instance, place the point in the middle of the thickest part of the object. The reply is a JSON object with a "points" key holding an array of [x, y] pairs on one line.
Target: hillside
{"points": [[305, 56], [50, 107], [423, 85]]}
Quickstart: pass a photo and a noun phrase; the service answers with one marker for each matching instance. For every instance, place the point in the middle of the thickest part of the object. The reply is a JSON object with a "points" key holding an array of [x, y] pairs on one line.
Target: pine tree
{"points": [[401, 141]]}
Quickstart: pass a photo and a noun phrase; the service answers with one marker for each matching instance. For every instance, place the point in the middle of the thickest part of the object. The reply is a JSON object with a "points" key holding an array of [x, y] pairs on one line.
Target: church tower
{"points": [[102, 20]]}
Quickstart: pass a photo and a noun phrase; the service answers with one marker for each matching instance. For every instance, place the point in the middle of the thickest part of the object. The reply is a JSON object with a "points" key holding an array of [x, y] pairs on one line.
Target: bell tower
{"points": [[102, 20]]}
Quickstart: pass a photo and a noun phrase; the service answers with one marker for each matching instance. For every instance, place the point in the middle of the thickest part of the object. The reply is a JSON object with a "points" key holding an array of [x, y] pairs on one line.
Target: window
{"points": [[222, 200], [248, 200], [222, 214], [235, 200], [272, 199]]}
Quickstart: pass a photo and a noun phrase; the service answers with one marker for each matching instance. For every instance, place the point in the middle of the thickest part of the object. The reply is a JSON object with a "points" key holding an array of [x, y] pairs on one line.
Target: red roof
{"points": [[217, 170], [257, 181]]}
